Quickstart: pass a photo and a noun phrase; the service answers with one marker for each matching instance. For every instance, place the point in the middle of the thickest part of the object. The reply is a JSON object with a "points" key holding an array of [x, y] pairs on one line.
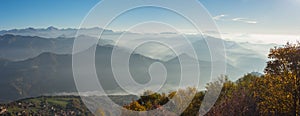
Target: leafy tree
{"points": [[236, 98], [273, 95], [100, 112], [182, 99], [193, 108], [135, 106], [279, 91]]}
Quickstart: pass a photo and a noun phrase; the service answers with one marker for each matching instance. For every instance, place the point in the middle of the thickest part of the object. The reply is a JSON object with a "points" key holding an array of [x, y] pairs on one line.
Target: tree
{"points": [[236, 98], [278, 92], [135, 106], [100, 112]]}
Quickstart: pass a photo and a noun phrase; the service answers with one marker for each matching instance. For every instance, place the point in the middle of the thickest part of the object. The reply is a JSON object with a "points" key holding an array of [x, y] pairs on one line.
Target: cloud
{"points": [[244, 20], [219, 17]]}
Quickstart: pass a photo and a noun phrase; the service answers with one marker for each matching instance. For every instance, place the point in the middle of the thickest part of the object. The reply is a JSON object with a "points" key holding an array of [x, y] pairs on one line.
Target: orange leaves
{"points": [[277, 92]]}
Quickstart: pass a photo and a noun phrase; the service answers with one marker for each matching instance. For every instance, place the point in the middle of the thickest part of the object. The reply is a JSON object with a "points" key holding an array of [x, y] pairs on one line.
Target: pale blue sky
{"points": [[232, 16]]}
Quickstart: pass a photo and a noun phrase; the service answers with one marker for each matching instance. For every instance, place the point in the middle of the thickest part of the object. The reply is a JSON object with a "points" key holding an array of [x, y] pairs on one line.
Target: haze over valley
{"points": [[37, 62]]}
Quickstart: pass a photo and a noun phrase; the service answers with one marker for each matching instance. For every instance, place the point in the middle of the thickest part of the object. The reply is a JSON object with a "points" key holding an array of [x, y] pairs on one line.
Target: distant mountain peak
{"points": [[30, 28], [52, 28]]}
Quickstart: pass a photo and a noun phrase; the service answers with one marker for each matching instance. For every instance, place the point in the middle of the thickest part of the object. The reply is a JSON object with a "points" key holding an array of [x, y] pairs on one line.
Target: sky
{"points": [[233, 17], [256, 16], [43, 13]]}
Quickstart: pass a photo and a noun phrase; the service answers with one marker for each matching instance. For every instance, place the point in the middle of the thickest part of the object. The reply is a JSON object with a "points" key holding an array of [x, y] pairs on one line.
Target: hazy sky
{"points": [[232, 16]]}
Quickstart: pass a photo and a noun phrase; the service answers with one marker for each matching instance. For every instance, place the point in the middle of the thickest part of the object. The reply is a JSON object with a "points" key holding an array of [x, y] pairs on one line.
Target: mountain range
{"points": [[32, 65], [53, 32]]}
